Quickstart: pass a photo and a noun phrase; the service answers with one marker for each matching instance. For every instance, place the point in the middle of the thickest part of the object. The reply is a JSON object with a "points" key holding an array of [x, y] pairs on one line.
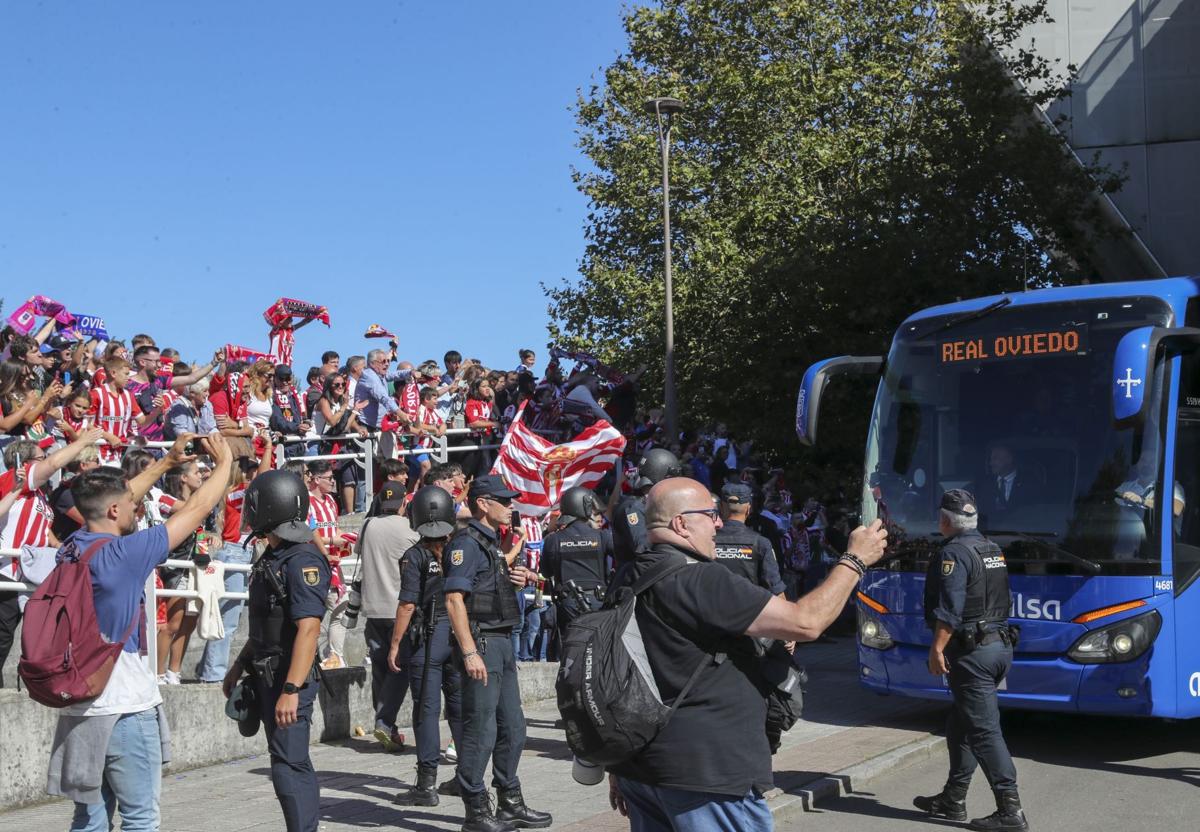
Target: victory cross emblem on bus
{"points": [[1129, 382], [1073, 416]]}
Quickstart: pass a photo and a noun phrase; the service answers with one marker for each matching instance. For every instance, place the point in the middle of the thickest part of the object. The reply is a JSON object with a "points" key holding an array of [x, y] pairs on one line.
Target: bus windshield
{"points": [[1015, 405]]}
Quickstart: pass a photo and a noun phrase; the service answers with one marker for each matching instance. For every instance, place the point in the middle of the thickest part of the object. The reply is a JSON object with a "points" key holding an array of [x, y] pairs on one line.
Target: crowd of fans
{"points": [[70, 406]]}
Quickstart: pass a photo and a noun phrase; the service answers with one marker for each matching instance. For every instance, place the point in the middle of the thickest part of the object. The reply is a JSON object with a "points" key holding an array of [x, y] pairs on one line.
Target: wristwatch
{"points": [[291, 687]]}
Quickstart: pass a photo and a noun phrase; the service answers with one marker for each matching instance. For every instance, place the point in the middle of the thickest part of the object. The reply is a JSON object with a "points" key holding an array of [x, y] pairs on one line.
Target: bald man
{"points": [[710, 765]]}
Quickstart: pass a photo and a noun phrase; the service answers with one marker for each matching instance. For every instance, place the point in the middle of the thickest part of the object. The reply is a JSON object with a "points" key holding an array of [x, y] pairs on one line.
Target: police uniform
{"points": [[493, 721], [966, 588], [629, 529], [295, 588], [575, 559], [432, 669], [745, 552]]}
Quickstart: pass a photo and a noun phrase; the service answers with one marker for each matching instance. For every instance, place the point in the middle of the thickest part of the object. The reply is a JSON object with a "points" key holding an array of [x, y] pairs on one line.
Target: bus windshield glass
{"points": [[1015, 405]]}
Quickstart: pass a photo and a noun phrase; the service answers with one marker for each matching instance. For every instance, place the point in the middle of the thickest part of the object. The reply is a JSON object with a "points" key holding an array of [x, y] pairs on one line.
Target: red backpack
{"points": [[64, 657]]}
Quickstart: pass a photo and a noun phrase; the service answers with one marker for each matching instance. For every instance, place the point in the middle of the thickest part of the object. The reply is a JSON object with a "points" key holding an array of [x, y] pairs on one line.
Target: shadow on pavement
{"points": [[373, 815], [1103, 743], [864, 804]]}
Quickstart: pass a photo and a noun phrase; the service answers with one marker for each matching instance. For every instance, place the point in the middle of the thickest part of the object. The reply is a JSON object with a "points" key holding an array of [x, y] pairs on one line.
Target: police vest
{"points": [[432, 604], [738, 550], [272, 630], [493, 600], [988, 599], [580, 556]]}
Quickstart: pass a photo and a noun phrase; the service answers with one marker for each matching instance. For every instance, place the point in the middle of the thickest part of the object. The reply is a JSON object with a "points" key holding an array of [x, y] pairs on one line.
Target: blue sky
{"points": [[176, 167]]}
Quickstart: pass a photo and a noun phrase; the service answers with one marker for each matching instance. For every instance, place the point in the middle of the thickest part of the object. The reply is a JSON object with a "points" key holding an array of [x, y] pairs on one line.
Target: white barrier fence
{"points": [[154, 593]]}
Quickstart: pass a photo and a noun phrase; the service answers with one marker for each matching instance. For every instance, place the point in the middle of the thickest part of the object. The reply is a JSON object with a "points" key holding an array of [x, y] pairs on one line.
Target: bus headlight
{"points": [[871, 631], [1120, 642]]}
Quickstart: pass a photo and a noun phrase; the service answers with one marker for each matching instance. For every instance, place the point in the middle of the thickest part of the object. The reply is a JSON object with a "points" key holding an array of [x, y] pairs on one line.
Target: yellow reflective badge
{"points": [[947, 567], [456, 557], [312, 575], [632, 518]]}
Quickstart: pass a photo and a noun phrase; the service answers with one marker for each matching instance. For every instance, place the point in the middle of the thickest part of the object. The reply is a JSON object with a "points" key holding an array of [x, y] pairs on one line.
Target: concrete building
{"points": [[1136, 103]]}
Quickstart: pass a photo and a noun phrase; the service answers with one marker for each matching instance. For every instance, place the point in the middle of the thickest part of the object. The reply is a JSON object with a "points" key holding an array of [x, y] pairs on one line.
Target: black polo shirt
{"points": [[716, 741]]}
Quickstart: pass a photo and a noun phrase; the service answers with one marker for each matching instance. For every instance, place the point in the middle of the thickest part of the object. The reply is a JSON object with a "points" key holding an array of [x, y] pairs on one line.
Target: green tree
{"points": [[840, 164]]}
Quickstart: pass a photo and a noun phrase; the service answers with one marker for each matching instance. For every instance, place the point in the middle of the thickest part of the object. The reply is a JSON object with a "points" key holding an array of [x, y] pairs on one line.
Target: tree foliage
{"points": [[840, 164]]}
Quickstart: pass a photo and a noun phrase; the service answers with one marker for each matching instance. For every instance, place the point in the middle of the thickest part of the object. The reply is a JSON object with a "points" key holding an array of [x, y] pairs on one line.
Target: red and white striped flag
{"points": [[542, 471]]}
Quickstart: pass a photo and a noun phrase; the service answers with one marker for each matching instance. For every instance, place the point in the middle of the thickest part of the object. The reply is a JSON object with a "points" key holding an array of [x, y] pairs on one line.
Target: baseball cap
{"points": [[736, 493], [959, 501], [283, 372], [391, 498], [490, 485]]}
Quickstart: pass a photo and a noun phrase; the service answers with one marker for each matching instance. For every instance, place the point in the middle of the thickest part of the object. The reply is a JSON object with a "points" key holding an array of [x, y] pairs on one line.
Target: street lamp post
{"points": [[663, 109]]}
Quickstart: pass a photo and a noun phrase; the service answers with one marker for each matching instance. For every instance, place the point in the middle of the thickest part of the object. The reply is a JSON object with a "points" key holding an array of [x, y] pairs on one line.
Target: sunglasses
{"points": [[504, 501], [712, 513]]}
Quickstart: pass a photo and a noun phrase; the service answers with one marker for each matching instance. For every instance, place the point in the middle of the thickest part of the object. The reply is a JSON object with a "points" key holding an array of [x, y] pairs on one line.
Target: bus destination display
{"points": [[1071, 341]]}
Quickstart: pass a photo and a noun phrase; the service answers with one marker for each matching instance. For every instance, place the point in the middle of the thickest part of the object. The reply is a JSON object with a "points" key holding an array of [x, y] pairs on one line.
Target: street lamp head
{"points": [[663, 106]]}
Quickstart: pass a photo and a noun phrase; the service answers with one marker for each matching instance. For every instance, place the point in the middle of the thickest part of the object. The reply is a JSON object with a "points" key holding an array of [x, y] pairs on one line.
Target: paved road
{"points": [[1075, 773]]}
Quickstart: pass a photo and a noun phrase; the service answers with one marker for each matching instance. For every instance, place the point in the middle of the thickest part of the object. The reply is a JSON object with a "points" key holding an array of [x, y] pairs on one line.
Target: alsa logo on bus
{"points": [[1023, 607]]}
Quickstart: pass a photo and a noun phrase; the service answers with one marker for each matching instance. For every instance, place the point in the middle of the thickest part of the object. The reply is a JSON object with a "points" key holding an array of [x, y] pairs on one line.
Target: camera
{"points": [[353, 604]]}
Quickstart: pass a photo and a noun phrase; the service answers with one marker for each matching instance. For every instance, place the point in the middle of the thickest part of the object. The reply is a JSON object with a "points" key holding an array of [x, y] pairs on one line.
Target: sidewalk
{"points": [[843, 729]]}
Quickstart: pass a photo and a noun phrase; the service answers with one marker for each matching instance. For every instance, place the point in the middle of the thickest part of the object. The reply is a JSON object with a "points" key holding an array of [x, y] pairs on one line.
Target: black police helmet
{"points": [[656, 465], [432, 512], [579, 502], [277, 503]]}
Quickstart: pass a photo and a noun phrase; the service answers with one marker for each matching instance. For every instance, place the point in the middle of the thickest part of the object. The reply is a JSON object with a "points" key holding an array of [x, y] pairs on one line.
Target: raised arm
{"points": [[58, 460], [184, 520], [808, 617]]}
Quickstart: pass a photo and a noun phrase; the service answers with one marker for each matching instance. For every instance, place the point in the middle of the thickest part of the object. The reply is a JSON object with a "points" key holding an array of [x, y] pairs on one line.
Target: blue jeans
{"points": [[529, 633], [132, 778], [660, 809], [215, 661]]}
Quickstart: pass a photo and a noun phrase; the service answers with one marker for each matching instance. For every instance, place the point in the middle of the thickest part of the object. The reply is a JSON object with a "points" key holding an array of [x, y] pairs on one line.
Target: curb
{"points": [[803, 798]]}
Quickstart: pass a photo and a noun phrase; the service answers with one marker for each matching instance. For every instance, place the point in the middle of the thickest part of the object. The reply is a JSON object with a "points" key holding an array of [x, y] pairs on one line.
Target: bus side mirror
{"points": [[808, 401], [1133, 364]]}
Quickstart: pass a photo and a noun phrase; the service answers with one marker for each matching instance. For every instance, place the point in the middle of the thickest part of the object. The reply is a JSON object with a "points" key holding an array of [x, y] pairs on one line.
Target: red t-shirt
{"points": [[27, 522], [478, 410], [231, 531]]}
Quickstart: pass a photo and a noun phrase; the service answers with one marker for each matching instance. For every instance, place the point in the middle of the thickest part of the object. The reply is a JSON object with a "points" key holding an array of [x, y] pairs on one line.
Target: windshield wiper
{"points": [[1091, 566], [964, 317]]}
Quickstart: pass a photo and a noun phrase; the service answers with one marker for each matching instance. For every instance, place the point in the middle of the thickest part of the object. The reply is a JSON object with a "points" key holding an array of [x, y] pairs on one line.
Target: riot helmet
{"points": [[656, 465], [432, 512], [277, 503], [579, 503]]}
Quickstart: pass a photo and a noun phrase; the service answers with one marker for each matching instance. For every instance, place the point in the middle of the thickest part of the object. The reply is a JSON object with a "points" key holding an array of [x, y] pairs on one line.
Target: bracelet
{"points": [[469, 655], [857, 561], [850, 565]]}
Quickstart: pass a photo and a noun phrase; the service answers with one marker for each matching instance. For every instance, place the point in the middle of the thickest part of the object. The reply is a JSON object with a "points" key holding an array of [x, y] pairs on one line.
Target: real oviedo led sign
{"points": [[1007, 346]]}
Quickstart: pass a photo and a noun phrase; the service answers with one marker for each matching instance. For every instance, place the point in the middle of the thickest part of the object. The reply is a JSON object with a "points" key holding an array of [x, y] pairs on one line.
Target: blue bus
{"points": [[1066, 411]]}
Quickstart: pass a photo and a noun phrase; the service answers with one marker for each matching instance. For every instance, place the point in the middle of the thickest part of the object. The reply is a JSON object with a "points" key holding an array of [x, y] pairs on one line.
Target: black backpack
{"points": [[607, 695]]}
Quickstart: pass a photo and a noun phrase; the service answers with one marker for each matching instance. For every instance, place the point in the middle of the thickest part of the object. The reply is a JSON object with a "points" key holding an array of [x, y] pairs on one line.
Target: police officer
{"points": [[575, 558], [288, 585], [421, 639], [967, 606], [480, 588], [629, 517], [740, 549]]}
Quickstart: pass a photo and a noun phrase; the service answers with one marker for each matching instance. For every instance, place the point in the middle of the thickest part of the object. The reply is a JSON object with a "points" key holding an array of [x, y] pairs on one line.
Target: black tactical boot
{"points": [[514, 810], [425, 792], [949, 804], [1008, 816], [450, 788], [479, 815]]}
